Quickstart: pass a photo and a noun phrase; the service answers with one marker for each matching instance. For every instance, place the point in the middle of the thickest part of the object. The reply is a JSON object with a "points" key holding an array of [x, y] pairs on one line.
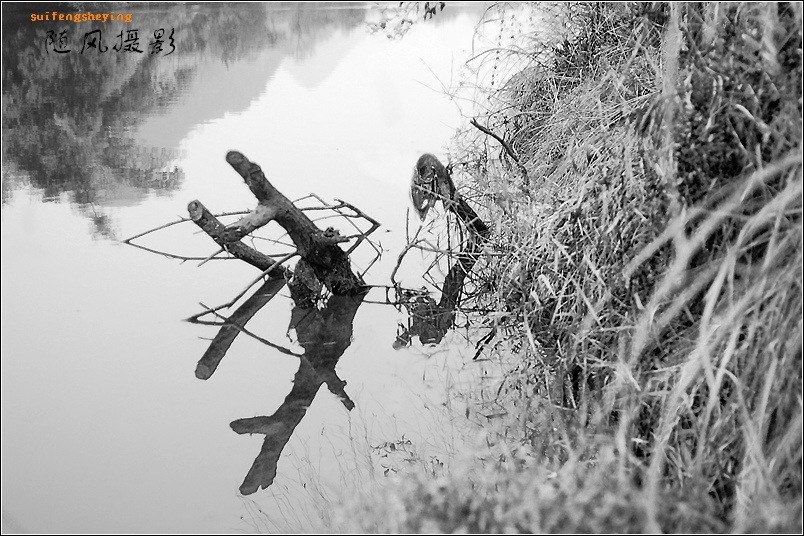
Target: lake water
{"points": [[105, 427]]}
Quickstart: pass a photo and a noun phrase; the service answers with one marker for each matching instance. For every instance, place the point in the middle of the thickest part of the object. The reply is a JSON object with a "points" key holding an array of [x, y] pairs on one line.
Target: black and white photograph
{"points": [[402, 267]]}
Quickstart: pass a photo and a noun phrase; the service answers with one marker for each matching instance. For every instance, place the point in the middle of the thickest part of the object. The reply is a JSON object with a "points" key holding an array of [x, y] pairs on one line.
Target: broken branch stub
{"points": [[216, 230], [272, 205]]}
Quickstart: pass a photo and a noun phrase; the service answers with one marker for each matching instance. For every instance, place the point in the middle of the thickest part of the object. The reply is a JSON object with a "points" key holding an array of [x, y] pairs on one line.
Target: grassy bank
{"points": [[648, 213]]}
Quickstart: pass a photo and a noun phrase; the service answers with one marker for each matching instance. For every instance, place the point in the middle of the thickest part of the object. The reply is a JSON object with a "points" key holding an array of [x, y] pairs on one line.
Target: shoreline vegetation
{"points": [[646, 219]]}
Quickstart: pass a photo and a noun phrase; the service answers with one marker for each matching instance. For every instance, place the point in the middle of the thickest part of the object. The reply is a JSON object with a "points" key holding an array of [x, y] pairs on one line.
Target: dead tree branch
{"points": [[319, 248], [505, 145], [216, 230]]}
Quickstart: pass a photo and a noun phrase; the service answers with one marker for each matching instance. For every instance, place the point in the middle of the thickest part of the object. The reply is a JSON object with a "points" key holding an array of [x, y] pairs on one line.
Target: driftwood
{"points": [[319, 248], [322, 263], [430, 321], [323, 330], [217, 231]]}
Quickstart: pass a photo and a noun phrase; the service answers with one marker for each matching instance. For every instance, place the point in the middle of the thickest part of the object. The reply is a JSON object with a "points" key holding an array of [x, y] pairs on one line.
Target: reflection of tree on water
{"points": [[428, 319], [68, 115], [325, 334], [68, 118]]}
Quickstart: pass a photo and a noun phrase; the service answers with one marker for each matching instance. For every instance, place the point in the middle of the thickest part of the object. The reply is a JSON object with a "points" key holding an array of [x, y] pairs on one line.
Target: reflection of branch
{"points": [[431, 321], [325, 335], [227, 322], [195, 319], [428, 319], [277, 428], [227, 334]]}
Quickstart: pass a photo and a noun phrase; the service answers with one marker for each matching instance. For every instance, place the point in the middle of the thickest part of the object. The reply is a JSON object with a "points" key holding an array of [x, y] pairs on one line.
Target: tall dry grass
{"points": [[649, 283]]}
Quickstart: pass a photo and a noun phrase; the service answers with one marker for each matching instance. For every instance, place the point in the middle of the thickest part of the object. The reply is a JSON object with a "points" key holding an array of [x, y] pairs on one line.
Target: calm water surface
{"points": [[105, 427]]}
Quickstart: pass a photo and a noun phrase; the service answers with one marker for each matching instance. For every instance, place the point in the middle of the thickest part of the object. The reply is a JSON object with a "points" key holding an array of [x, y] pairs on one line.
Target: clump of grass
{"points": [[651, 277], [509, 493]]}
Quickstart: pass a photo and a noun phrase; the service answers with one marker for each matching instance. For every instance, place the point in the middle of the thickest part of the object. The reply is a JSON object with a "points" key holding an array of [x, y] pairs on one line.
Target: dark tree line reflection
{"points": [[69, 119]]}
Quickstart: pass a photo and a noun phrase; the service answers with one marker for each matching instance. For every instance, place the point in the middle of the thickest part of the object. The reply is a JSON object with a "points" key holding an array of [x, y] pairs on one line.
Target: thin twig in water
{"points": [[202, 263], [176, 222], [129, 241], [241, 329], [195, 318]]}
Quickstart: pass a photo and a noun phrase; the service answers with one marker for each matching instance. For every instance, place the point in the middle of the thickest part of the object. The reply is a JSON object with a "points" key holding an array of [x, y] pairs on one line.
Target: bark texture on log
{"points": [[217, 231], [318, 247]]}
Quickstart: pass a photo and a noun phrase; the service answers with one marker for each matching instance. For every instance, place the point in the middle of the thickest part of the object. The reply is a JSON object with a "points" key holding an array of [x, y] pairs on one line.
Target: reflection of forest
{"points": [[68, 119]]}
